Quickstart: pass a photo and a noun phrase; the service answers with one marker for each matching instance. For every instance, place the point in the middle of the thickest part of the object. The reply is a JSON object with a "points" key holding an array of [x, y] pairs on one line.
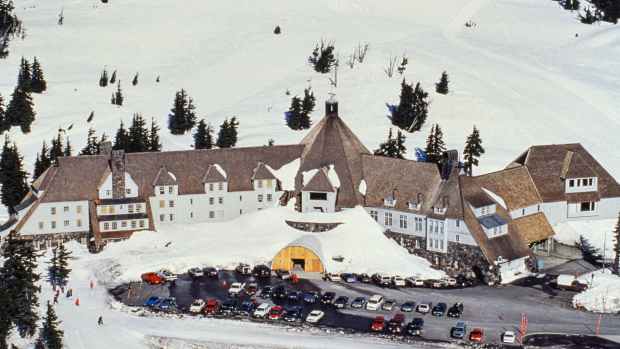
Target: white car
{"points": [[315, 316], [262, 310], [423, 308], [195, 272], [398, 281], [374, 302], [451, 282], [333, 277], [236, 288], [167, 275], [509, 337], [197, 306]]}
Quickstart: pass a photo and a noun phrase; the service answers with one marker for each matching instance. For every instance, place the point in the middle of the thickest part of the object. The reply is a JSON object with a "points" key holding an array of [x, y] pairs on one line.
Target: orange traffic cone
{"points": [[77, 301]]}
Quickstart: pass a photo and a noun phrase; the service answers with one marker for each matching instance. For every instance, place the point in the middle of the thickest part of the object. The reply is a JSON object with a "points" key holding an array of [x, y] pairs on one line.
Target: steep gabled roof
{"points": [[319, 182], [574, 166], [77, 178], [262, 172], [331, 142], [514, 185], [213, 175], [164, 178]]}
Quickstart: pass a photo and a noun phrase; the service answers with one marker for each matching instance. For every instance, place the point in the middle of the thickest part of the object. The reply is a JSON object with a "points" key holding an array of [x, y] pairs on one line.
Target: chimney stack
{"points": [[117, 163], [331, 106]]}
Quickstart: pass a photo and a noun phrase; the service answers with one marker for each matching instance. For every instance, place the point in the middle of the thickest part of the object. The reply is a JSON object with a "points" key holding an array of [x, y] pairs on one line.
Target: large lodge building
{"points": [[437, 210]]}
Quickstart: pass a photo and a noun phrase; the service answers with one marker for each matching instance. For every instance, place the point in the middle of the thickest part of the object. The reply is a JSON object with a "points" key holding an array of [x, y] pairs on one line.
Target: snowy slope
{"points": [[521, 75], [603, 293]]}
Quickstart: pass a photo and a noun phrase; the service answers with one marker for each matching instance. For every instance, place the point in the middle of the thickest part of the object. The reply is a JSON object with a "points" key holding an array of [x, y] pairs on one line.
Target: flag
{"points": [[523, 327]]}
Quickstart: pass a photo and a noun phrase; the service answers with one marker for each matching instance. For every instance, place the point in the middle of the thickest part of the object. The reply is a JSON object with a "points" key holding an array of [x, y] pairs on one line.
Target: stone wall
{"points": [[312, 227], [118, 174]]}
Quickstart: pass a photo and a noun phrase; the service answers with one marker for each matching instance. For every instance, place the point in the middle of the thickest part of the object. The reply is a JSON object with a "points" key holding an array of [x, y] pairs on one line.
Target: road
{"points": [[494, 309]]}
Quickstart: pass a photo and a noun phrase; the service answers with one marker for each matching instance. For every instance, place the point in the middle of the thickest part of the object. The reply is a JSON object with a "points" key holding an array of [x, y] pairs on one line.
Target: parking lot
{"points": [[495, 310]]}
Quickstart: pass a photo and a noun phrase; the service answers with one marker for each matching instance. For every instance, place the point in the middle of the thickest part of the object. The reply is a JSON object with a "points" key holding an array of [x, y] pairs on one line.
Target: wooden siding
{"points": [[284, 259]]}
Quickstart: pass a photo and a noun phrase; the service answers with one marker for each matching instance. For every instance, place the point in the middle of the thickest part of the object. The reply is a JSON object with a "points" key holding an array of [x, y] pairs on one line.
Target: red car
{"points": [[152, 278], [378, 324], [212, 307], [476, 335], [276, 312]]}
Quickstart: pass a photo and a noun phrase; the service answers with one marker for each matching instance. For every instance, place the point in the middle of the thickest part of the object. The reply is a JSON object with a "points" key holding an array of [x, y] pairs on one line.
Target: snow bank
{"points": [[603, 293], [333, 176], [256, 238], [286, 174], [514, 270], [598, 232], [362, 187]]}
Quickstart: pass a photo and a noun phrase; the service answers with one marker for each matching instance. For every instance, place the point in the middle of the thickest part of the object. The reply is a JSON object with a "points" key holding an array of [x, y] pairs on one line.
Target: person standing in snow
{"points": [[100, 321]]}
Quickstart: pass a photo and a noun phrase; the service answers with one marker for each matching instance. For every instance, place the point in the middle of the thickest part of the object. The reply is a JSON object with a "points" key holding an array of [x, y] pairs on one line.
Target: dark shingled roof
{"points": [[319, 182], [513, 185], [548, 163], [77, 178], [262, 172], [449, 194], [533, 228], [331, 142], [164, 178], [213, 175], [480, 199]]}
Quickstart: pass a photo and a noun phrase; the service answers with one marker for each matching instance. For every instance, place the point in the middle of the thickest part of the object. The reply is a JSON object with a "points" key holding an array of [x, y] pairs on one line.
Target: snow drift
{"points": [[603, 293]]}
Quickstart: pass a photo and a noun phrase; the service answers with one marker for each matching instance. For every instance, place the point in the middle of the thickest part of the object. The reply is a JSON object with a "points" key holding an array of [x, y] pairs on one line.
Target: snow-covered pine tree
{"points": [[393, 147], [38, 83], [403, 65], [6, 325], [227, 136], [294, 114], [322, 58], [154, 143], [24, 77], [411, 113], [570, 5], [20, 111], [113, 77], [203, 137], [118, 95], [13, 177], [51, 334], [138, 135], [57, 149], [472, 151], [103, 79], [589, 253], [92, 145], [178, 113], [616, 264], [442, 86], [42, 163], [5, 125], [134, 82], [588, 17], [121, 141], [61, 263], [435, 146], [113, 99]]}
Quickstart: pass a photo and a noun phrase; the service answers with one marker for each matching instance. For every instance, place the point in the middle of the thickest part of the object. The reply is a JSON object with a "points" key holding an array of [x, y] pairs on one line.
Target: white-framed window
{"points": [[211, 201], [141, 223], [133, 224], [171, 203], [403, 221], [419, 224], [41, 225], [269, 197], [128, 191], [162, 190], [374, 214], [388, 218], [441, 244], [458, 223], [65, 209], [240, 198], [220, 185], [124, 224], [441, 227], [78, 222], [138, 207], [106, 226], [587, 206], [162, 203], [484, 210], [170, 189], [66, 223], [162, 217], [211, 214], [211, 186], [259, 183], [114, 225], [260, 197], [457, 238], [269, 183], [52, 210], [130, 208], [171, 216], [220, 200], [571, 183]]}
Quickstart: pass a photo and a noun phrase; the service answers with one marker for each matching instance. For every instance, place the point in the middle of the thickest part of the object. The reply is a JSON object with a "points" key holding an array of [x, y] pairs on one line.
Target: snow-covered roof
{"points": [[310, 242]]}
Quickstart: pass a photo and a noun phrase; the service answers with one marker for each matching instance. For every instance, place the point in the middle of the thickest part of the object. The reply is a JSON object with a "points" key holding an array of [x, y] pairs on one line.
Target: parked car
{"points": [[569, 283], [341, 302], [332, 277], [212, 307], [395, 325], [197, 306], [251, 289], [283, 274], [152, 302], [365, 278], [236, 288], [423, 308], [476, 335], [167, 275], [261, 271], [414, 282], [266, 292], [228, 307], [459, 330], [195, 272], [295, 295], [436, 283], [407, 307], [262, 310], [328, 298], [348, 278], [414, 328], [374, 302], [279, 292], [243, 269], [456, 310], [509, 337], [315, 316], [311, 297], [276, 312], [246, 308], [152, 278], [378, 324], [388, 304], [382, 280], [293, 314], [210, 272], [358, 302], [167, 304], [398, 281], [439, 309], [451, 282]]}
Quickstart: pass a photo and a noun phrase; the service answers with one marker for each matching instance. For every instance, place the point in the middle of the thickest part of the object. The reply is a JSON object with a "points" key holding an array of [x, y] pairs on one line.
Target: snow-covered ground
{"points": [[521, 75], [598, 232], [603, 293]]}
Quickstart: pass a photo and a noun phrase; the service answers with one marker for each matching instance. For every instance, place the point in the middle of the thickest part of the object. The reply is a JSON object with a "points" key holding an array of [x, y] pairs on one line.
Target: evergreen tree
{"points": [[570, 5], [24, 78], [38, 83], [473, 150], [59, 266], [20, 285], [322, 58], [68, 149], [203, 137], [154, 143], [13, 177], [20, 111], [182, 117], [616, 264], [4, 53], [233, 125], [42, 163], [307, 107], [277, 30], [134, 82], [588, 17], [435, 146], [6, 325], [113, 78], [90, 116], [139, 137], [103, 80], [393, 147], [57, 149], [442, 86], [121, 141], [227, 137], [294, 114], [51, 334], [5, 125], [411, 113], [222, 141], [118, 95], [92, 145], [190, 115], [271, 142], [589, 253], [102, 140]]}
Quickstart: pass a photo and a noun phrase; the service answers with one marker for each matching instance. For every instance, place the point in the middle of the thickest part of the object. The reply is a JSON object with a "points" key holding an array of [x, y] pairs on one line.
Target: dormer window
{"points": [[220, 186], [162, 191], [390, 201], [440, 210], [414, 205]]}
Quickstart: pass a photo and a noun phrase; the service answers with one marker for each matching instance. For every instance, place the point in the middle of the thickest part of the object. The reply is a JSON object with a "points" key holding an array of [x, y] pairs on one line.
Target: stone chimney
{"points": [[106, 148], [331, 106], [117, 163]]}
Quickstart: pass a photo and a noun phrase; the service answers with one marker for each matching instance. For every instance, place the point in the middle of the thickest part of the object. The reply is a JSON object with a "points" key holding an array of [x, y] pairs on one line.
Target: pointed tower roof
{"points": [[319, 182], [331, 142], [164, 177]]}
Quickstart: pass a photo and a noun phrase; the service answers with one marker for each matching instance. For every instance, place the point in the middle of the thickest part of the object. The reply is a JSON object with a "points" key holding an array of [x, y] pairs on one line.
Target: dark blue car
{"points": [[152, 301], [167, 304], [311, 297], [247, 308], [407, 307], [294, 295], [293, 314]]}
